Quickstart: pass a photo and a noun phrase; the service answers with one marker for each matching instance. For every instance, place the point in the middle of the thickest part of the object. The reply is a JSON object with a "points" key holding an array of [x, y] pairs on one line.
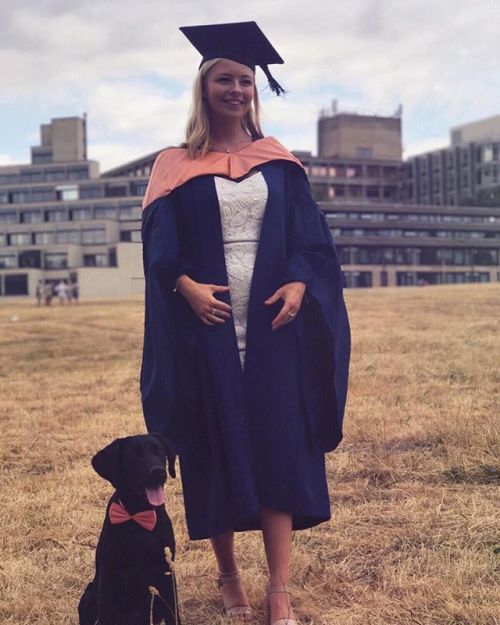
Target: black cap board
{"points": [[243, 42]]}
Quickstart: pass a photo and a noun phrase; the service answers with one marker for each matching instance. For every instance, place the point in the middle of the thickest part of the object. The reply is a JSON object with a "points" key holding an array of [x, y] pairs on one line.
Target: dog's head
{"points": [[137, 464]]}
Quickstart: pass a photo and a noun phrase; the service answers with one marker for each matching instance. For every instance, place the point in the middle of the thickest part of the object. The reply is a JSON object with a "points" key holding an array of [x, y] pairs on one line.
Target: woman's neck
{"points": [[228, 132]]}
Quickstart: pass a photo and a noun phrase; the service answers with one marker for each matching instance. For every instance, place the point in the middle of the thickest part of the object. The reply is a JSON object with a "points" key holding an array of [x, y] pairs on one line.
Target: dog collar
{"points": [[118, 514]]}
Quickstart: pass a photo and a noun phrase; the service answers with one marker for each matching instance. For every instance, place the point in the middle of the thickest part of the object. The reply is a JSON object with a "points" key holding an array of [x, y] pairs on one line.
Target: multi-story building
{"points": [[364, 137], [59, 218], [465, 173], [398, 244], [359, 158]]}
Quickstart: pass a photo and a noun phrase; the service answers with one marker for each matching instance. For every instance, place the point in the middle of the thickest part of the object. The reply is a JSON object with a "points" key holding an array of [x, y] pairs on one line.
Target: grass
{"points": [[414, 485]]}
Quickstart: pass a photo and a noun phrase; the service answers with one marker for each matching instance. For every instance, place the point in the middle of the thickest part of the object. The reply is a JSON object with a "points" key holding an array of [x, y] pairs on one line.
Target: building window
{"points": [[130, 210], [319, 170], [41, 159], [77, 174], [353, 171], [105, 212], [357, 279], [487, 153], [94, 236], [484, 257], [31, 217], [55, 215], [68, 236], [138, 188], [87, 193], [390, 232], [16, 284], [31, 258], [44, 238], [8, 218], [56, 261], [390, 193], [31, 176], [363, 152], [9, 179], [67, 193], [54, 175], [7, 261], [19, 197], [115, 191], [42, 195], [113, 261], [95, 260], [81, 214], [20, 238]]}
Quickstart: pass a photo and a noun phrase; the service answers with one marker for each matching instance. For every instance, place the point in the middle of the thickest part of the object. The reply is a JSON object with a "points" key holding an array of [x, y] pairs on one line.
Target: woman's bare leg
{"points": [[223, 546], [277, 533], [233, 593]]}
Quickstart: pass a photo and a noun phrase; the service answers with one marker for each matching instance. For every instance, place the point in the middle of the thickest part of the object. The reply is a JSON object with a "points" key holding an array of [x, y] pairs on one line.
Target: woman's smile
{"points": [[229, 88]]}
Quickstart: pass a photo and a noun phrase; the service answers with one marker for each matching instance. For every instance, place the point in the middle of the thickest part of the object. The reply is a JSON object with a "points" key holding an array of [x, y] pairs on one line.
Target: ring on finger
{"points": [[291, 315], [212, 312]]}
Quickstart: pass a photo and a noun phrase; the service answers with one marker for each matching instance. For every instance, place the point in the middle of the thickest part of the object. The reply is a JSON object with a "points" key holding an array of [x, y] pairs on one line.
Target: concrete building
{"points": [[59, 219], [353, 136], [383, 241], [399, 245], [62, 219], [481, 130], [465, 173]]}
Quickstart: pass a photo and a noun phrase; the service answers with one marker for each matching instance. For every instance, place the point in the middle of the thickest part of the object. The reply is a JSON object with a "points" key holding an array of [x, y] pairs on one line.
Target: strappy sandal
{"points": [[281, 621], [243, 613]]}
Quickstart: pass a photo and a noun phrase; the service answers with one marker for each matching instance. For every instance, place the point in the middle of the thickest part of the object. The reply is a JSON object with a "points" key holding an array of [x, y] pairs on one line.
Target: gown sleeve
{"points": [[325, 331], [163, 264]]}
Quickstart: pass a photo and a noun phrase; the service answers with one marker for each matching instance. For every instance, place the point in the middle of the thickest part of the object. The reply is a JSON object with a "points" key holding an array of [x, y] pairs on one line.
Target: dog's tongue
{"points": [[156, 497]]}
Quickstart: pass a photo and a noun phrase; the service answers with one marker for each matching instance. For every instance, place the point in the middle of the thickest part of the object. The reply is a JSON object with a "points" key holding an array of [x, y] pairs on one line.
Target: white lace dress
{"points": [[242, 205]]}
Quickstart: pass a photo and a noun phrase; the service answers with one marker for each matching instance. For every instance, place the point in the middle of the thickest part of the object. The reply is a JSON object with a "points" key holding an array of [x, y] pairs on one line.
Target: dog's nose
{"points": [[158, 475]]}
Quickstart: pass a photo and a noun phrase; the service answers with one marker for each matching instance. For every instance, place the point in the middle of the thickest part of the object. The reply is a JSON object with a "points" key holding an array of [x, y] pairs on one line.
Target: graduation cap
{"points": [[243, 42]]}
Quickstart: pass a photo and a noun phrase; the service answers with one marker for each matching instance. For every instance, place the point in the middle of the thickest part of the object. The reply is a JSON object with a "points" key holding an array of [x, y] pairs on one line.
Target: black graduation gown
{"points": [[258, 436]]}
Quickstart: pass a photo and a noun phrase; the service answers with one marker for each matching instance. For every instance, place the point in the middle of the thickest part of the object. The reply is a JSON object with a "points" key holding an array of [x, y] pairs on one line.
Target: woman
{"points": [[246, 346]]}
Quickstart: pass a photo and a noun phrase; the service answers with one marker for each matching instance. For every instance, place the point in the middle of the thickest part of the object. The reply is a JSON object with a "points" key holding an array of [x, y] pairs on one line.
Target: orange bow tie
{"points": [[118, 514]]}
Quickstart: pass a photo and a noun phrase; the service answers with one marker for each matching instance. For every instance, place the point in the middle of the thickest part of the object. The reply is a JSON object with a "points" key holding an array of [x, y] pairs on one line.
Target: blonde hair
{"points": [[198, 126]]}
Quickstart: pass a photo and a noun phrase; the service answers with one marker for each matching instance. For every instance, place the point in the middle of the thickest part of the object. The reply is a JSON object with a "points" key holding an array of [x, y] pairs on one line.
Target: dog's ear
{"points": [[169, 448], [107, 462]]}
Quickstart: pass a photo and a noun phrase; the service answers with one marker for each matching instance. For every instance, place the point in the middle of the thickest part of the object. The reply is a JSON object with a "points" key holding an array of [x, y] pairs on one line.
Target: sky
{"points": [[126, 64]]}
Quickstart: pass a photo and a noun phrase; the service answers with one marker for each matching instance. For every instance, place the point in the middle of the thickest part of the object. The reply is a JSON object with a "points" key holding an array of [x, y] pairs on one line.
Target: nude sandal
{"points": [[281, 621], [243, 613]]}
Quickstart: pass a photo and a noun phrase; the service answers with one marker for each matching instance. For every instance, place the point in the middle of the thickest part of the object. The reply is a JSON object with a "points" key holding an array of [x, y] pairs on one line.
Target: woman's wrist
{"points": [[298, 284], [182, 283]]}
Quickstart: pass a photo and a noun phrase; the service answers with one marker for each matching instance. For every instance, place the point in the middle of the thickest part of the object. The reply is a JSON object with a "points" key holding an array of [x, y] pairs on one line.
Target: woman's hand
{"points": [[201, 299], [291, 294]]}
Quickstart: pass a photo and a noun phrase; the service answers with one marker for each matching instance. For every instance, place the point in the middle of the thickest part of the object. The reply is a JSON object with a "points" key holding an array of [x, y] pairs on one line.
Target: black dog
{"points": [[133, 574]]}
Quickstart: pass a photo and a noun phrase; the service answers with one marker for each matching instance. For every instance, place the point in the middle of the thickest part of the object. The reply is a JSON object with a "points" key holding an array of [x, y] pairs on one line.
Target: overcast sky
{"points": [[125, 63]]}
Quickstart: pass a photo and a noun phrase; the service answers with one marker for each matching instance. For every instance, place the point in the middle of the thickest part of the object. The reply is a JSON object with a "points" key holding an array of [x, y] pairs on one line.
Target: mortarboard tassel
{"points": [[273, 83]]}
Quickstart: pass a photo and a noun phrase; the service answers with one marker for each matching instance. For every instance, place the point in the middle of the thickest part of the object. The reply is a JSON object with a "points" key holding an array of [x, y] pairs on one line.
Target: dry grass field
{"points": [[414, 485]]}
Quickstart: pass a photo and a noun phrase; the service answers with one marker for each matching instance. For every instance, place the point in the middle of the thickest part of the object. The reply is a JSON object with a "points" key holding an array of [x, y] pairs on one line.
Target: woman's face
{"points": [[229, 89]]}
